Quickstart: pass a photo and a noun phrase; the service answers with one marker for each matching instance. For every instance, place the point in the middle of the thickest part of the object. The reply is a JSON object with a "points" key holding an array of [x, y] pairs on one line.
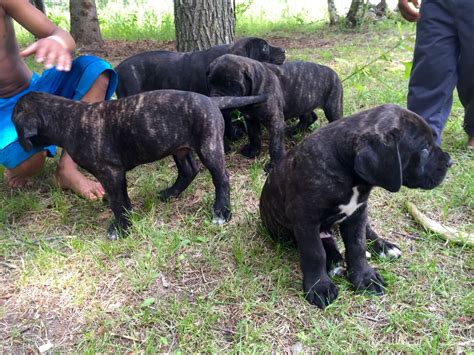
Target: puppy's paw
{"points": [[227, 147], [250, 151], [368, 280], [292, 131], [335, 269], [334, 260], [221, 216], [114, 232], [384, 249], [167, 194], [321, 293], [236, 132], [164, 195]]}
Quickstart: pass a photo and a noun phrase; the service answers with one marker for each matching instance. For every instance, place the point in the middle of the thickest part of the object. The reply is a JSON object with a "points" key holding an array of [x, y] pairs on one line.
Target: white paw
{"points": [[218, 220], [368, 255], [394, 253], [336, 271]]}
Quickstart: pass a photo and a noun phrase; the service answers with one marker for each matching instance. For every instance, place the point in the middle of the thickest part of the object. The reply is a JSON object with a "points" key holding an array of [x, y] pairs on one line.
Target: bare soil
{"points": [[115, 51]]}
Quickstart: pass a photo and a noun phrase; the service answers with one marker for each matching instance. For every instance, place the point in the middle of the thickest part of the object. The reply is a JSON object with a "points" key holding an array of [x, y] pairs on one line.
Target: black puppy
{"points": [[297, 89], [187, 71], [109, 138], [326, 180]]}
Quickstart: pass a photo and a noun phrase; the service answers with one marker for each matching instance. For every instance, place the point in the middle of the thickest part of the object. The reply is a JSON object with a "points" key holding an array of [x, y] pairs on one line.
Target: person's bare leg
{"points": [[67, 176], [21, 175], [470, 142]]}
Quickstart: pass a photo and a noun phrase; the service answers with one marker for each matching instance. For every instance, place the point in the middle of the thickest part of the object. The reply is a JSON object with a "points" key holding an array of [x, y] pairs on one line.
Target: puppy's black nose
{"points": [[449, 163]]}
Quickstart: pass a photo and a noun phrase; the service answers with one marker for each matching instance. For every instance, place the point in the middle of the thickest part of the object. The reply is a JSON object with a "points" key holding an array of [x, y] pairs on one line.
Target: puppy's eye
{"points": [[424, 153], [265, 48]]}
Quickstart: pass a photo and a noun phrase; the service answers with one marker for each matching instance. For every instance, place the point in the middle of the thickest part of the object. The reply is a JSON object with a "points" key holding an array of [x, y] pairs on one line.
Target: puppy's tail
{"points": [[227, 102]]}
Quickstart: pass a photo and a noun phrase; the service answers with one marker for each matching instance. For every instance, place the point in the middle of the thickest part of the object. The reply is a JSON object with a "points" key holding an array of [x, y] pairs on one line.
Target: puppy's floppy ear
{"points": [[242, 49], [248, 83], [251, 49], [252, 76], [378, 163], [208, 71], [27, 129]]}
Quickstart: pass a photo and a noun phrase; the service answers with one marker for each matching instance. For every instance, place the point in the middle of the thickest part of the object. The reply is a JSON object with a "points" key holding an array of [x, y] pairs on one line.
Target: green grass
{"points": [[179, 283], [139, 24], [135, 20]]}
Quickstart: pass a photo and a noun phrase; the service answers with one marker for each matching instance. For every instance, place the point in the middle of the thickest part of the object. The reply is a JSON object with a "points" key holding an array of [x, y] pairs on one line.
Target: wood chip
{"points": [[45, 347]]}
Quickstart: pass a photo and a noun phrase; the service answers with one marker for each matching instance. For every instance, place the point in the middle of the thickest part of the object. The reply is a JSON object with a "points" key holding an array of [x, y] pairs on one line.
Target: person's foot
{"points": [[22, 175], [470, 142], [72, 179], [15, 181]]}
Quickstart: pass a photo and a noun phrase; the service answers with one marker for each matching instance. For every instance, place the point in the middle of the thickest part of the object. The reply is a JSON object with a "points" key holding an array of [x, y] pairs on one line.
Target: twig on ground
{"points": [[448, 233], [24, 330], [372, 319], [203, 277], [125, 337], [408, 236], [395, 46], [225, 330], [8, 265]]}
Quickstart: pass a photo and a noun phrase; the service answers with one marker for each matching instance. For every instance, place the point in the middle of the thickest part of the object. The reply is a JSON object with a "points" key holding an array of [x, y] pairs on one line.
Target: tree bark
{"points": [[84, 23], [381, 8], [39, 4], [201, 24], [333, 17], [356, 12]]}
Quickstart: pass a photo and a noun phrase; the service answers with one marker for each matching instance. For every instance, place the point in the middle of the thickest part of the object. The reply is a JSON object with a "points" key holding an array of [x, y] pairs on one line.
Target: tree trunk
{"points": [[84, 23], [333, 17], [39, 4], [381, 8], [356, 12], [201, 24]]}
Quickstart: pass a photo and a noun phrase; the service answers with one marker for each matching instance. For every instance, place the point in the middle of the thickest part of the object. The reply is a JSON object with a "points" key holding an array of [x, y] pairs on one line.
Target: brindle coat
{"points": [[110, 138], [296, 88], [187, 71], [326, 180]]}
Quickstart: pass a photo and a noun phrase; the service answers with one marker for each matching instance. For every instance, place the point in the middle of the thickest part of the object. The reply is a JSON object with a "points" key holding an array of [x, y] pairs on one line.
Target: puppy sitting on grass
{"points": [[326, 180], [109, 138]]}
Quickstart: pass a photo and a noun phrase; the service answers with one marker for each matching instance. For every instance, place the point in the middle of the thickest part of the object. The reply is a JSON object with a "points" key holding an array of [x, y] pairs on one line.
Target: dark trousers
{"points": [[443, 59]]}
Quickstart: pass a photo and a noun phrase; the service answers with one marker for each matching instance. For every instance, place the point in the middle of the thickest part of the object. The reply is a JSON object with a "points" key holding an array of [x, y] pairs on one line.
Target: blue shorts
{"points": [[73, 84]]}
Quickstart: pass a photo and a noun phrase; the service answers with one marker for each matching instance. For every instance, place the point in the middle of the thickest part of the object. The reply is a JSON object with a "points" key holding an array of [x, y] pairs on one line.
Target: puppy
{"points": [[109, 138], [297, 89], [326, 180], [187, 71]]}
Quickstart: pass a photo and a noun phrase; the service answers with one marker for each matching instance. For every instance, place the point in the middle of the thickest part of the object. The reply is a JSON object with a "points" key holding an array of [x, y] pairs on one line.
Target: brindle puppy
{"points": [[296, 88], [187, 71], [110, 138], [326, 180]]}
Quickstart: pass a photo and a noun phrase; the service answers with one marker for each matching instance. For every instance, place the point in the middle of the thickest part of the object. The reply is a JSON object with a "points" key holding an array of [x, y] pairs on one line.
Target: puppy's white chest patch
{"points": [[351, 206]]}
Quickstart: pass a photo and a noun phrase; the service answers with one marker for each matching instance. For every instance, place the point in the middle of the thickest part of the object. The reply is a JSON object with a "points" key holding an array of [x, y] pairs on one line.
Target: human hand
{"points": [[51, 51], [407, 11]]}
